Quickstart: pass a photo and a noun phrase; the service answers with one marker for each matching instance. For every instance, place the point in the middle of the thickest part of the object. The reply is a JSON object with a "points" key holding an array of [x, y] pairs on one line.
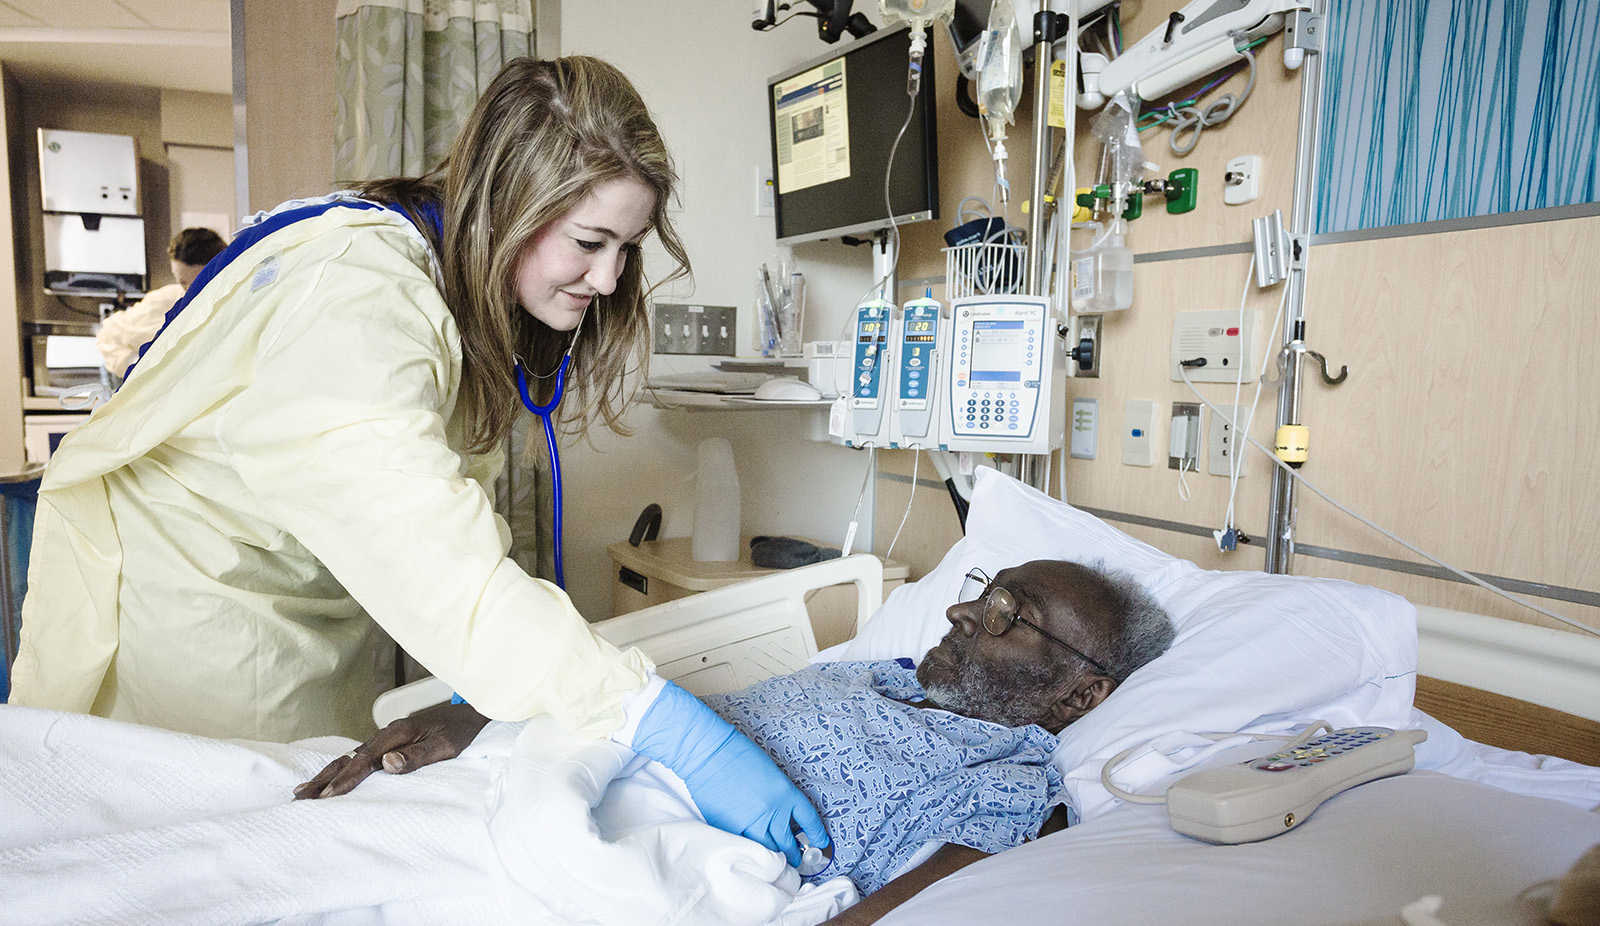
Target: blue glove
{"points": [[736, 785]]}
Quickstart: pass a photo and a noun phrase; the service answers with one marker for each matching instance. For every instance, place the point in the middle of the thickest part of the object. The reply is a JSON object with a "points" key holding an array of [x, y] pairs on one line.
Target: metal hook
{"points": [[1322, 362]]}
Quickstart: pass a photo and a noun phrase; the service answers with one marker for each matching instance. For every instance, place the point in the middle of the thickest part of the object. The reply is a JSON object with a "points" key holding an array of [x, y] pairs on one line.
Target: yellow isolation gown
{"points": [[281, 469]]}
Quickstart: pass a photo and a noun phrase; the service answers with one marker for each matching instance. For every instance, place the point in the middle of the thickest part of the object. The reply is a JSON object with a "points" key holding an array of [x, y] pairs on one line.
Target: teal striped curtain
{"points": [[408, 73], [1443, 109]]}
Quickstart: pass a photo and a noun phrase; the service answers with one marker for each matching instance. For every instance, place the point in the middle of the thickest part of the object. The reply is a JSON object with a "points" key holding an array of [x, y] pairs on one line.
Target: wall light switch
{"points": [[764, 188], [695, 329], [1085, 427], [1138, 442]]}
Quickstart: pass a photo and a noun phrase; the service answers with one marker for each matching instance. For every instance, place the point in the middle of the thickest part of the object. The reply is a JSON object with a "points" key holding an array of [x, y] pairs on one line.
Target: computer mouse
{"points": [[787, 389]]}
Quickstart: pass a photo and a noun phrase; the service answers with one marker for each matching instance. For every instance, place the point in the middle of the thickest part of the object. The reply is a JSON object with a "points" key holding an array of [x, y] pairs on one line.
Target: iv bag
{"points": [[1000, 66], [1114, 127], [919, 13]]}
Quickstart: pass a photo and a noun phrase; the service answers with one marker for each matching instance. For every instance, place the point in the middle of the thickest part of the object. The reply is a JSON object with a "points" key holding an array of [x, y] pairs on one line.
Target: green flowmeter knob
{"points": [[1183, 186]]}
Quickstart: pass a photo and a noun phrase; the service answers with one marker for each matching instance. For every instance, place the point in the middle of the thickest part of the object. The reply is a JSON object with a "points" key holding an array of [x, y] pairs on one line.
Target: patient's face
{"points": [[1012, 679]]}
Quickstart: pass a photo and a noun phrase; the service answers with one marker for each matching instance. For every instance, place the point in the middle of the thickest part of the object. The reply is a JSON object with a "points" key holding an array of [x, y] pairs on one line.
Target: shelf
{"points": [[711, 401]]}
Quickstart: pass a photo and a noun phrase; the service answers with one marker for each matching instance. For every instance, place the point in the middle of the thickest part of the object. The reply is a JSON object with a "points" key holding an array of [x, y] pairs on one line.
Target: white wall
{"points": [[703, 70]]}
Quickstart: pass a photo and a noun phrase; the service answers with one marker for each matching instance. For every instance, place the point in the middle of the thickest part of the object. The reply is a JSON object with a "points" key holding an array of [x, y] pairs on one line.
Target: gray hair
{"points": [[1146, 628]]}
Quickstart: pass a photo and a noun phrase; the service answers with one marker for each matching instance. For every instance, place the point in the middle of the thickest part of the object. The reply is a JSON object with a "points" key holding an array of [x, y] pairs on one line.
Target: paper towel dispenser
{"points": [[87, 254]]}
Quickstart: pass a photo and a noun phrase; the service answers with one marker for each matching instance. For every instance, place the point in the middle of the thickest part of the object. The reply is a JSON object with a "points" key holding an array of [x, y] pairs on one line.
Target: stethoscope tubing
{"points": [[545, 412]]}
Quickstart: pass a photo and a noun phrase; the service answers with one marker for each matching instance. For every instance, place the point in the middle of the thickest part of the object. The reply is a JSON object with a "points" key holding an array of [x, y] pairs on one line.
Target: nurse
{"points": [[308, 446]]}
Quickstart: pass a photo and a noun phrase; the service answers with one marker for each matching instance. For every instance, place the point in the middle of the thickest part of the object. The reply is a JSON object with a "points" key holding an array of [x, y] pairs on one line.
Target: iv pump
{"points": [[869, 378], [1007, 376], [920, 343]]}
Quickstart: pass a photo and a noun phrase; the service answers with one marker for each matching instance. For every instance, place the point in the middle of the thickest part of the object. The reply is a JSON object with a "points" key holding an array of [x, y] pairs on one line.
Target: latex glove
{"points": [[736, 785], [431, 735]]}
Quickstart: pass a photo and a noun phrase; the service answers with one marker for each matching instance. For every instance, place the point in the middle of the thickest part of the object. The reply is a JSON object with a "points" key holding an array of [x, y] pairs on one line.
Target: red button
{"points": [[1233, 332]]}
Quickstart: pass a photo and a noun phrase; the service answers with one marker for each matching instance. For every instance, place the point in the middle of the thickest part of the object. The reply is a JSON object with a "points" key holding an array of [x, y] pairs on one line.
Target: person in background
{"points": [[123, 333], [309, 448]]}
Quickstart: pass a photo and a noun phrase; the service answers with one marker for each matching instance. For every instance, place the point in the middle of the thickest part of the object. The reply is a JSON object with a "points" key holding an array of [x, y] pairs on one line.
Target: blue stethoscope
{"points": [[545, 413]]}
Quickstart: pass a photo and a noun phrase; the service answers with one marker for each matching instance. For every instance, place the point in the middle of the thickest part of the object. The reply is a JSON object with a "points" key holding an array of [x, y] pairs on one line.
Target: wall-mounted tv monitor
{"points": [[833, 121]]}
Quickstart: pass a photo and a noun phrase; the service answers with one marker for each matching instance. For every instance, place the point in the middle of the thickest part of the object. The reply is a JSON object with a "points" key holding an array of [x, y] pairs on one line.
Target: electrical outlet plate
{"points": [[1184, 447], [695, 329], [1222, 442], [1085, 427]]}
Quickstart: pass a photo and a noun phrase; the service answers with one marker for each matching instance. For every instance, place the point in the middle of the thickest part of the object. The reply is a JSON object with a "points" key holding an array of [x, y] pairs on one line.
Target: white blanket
{"points": [[105, 822]]}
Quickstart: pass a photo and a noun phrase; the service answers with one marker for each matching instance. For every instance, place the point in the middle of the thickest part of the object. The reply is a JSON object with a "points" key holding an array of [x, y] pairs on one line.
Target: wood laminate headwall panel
{"points": [[1467, 423]]}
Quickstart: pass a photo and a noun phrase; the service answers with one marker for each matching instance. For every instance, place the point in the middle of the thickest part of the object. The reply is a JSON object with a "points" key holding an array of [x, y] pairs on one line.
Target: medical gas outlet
{"points": [[1006, 375]]}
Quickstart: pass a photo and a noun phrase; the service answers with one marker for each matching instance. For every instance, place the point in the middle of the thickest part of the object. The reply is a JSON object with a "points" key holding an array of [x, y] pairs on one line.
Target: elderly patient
{"points": [[956, 751]]}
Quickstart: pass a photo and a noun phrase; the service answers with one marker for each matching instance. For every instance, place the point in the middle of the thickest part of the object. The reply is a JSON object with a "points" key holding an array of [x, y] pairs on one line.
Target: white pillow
{"points": [[1254, 651]]}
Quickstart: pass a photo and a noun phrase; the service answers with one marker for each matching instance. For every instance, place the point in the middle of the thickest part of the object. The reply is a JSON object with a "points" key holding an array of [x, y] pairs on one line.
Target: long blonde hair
{"points": [[541, 138]]}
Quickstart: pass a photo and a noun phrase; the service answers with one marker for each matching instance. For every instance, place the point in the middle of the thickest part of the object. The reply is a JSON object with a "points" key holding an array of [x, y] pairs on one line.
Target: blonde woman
{"points": [[306, 449]]}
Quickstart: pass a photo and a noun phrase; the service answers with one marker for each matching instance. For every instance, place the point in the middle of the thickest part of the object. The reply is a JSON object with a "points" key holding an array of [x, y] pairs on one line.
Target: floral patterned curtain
{"points": [[408, 74]]}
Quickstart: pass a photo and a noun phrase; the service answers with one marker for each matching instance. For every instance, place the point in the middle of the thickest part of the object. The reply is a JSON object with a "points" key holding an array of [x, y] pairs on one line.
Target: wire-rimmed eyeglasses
{"points": [[999, 611]]}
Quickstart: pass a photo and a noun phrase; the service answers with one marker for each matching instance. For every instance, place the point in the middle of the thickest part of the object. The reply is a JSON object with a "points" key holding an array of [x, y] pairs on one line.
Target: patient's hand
{"points": [[431, 735]]}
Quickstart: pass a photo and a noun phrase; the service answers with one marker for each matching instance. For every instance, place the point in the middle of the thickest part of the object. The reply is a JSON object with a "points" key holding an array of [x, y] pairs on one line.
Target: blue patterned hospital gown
{"points": [[887, 777]]}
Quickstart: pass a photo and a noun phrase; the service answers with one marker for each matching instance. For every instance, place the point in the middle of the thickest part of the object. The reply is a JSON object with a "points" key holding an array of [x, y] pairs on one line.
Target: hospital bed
{"points": [[1475, 826]]}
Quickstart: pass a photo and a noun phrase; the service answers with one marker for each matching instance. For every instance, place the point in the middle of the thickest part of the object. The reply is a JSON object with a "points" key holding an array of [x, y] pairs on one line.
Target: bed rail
{"points": [[1558, 669], [1510, 684], [713, 642]]}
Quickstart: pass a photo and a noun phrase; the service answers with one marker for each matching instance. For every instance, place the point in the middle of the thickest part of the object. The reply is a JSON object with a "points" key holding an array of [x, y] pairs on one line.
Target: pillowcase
{"points": [[1254, 651]]}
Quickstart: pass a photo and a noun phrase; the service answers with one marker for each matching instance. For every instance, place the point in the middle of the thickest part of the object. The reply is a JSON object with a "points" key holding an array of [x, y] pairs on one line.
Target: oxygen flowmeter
{"points": [[1007, 376], [869, 375], [919, 343]]}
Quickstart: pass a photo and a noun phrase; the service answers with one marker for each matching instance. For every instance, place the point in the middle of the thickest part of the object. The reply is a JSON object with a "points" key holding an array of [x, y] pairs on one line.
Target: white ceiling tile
{"points": [[177, 44], [13, 18], [81, 14], [182, 15]]}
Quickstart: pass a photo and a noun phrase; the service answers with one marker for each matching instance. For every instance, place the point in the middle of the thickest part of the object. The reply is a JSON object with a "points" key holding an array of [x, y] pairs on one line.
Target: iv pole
{"points": [[1049, 27], [1304, 31]]}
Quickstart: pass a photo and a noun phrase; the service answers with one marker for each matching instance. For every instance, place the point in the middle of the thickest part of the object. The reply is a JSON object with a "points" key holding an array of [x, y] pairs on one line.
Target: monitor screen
{"points": [[832, 123]]}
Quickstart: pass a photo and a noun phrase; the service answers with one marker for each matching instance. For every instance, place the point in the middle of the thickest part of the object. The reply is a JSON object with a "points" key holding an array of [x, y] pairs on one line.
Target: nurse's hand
{"points": [[736, 785], [431, 735]]}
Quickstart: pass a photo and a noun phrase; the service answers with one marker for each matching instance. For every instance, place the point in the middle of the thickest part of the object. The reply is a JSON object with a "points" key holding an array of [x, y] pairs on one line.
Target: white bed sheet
{"points": [[1359, 859], [107, 822]]}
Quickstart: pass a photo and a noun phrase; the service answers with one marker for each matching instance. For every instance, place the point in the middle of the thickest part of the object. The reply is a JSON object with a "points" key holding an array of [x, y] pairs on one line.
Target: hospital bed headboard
{"points": [[713, 642], [1510, 684]]}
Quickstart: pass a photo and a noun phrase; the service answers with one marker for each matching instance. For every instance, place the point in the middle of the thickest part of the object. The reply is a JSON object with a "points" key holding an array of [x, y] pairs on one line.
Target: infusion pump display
{"points": [[1005, 375], [870, 375], [918, 382]]}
